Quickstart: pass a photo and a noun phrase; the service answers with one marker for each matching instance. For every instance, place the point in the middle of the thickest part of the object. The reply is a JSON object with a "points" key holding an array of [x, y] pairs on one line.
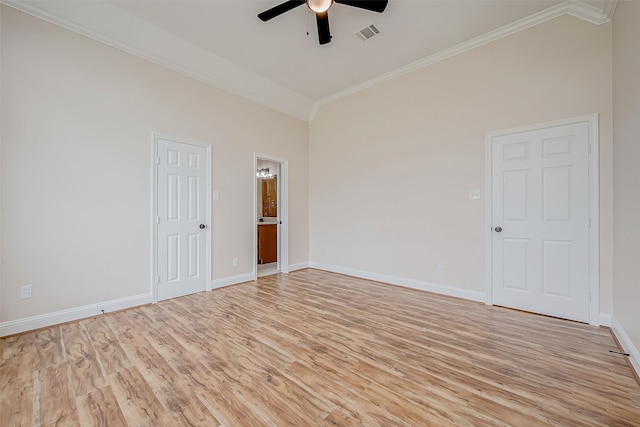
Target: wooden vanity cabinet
{"points": [[267, 243]]}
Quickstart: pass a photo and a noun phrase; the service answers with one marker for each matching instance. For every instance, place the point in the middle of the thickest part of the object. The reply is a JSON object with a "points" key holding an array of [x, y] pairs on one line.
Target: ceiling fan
{"points": [[321, 8]]}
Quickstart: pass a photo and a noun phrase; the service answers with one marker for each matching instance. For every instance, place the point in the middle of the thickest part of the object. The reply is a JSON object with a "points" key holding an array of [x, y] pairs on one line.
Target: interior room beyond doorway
{"points": [[267, 215]]}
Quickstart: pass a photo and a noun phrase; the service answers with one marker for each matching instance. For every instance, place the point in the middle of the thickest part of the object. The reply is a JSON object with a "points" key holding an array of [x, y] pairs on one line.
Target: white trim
{"points": [[283, 212], [403, 281], [231, 280], [316, 108], [114, 27], [594, 214], [594, 191], [209, 216], [283, 254], [609, 9], [254, 216], [592, 14], [488, 221], [576, 9], [627, 344], [49, 319], [154, 215], [154, 208], [298, 266], [605, 319]]}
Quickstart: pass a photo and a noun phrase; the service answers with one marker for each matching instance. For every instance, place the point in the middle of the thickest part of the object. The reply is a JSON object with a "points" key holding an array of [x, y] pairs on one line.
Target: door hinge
{"points": [[157, 220], [158, 160], [157, 280], [589, 296], [589, 222], [589, 149]]}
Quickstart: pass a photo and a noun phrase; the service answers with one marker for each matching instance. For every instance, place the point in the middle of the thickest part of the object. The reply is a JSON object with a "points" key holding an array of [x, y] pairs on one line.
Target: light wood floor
{"points": [[311, 349]]}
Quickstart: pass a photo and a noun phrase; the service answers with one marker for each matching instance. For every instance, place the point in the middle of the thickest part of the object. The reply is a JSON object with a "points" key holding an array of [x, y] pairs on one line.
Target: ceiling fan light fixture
{"points": [[319, 6]]}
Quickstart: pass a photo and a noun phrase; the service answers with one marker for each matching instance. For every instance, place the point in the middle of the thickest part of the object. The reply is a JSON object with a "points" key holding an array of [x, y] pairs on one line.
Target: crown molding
{"points": [[574, 8], [107, 24], [609, 8], [591, 13]]}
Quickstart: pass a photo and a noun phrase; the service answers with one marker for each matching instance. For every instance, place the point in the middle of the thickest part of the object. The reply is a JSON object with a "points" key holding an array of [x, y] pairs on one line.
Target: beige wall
{"points": [[626, 136], [77, 120], [391, 167]]}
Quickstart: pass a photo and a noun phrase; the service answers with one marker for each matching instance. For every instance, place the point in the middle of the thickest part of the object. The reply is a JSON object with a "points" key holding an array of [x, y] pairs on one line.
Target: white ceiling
{"points": [[275, 63]]}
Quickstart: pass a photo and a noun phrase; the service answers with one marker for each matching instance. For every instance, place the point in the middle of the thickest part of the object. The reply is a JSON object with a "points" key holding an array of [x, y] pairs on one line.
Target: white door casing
{"points": [[542, 201], [283, 212], [182, 232]]}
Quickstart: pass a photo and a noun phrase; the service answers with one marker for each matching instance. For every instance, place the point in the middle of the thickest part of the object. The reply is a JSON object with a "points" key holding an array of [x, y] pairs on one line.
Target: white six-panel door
{"points": [[182, 172], [540, 243]]}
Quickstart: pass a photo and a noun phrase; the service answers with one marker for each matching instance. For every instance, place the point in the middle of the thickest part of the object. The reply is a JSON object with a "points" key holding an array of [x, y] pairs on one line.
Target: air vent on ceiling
{"points": [[368, 32]]}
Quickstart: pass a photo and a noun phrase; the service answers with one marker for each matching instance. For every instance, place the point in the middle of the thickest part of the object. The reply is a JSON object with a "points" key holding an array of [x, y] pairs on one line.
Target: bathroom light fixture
{"points": [[264, 173]]}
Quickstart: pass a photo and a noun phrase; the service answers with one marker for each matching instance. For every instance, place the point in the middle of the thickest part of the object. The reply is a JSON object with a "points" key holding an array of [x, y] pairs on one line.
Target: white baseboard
{"points": [[401, 281], [49, 319], [298, 266], [605, 319], [231, 280], [627, 344]]}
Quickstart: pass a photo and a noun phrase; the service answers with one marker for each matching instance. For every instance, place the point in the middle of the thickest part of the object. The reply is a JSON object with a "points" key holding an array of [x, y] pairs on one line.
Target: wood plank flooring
{"points": [[316, 349]]}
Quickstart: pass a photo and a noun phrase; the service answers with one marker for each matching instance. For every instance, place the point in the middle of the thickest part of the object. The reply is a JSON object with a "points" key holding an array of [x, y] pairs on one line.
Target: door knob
{"points": [[498, 229], [203, 226]]}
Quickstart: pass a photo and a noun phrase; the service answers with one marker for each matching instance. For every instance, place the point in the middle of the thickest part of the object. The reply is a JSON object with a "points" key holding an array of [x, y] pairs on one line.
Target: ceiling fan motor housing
{"points": [[321, 8]]}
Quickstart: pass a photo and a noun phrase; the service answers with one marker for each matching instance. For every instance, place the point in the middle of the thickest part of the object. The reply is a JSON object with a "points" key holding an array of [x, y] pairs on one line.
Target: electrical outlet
{"points": [[235, 262], [440, 269], [25, 291]]}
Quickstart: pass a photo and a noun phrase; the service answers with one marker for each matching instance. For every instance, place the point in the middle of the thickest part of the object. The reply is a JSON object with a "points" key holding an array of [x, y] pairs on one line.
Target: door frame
{"points": [[154, 209], [594, 203], [283, 212]]}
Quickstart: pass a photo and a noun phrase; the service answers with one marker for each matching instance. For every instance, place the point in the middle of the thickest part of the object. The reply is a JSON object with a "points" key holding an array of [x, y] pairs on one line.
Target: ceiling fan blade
{"points": [[324, 35], [279, 9], [373, 5]]}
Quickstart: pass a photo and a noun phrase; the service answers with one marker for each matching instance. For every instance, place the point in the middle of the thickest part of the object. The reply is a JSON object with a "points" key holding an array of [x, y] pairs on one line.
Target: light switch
{"points": [[216, 195], [474, 194]]}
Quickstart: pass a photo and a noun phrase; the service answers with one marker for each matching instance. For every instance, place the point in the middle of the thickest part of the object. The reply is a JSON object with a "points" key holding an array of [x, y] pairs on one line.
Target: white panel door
{"points": [[182, 224], [541, 225]]}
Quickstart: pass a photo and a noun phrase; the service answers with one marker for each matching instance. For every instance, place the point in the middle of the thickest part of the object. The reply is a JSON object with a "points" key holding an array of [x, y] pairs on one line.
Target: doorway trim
{"points": [[283, 212], [154, 209], [594, 204]]}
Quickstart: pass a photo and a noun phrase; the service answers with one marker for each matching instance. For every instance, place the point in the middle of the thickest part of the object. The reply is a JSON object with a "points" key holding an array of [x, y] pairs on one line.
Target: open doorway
{"points": [[270, 210]]}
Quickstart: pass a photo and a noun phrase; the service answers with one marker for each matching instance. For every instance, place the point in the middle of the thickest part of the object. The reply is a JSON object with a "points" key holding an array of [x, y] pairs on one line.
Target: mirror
{"points": [[270, 196], [267, 190]]}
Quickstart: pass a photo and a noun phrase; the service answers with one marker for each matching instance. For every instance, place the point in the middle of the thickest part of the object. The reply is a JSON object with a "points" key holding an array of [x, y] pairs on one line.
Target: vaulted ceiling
{"points": [[280, 63]]}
